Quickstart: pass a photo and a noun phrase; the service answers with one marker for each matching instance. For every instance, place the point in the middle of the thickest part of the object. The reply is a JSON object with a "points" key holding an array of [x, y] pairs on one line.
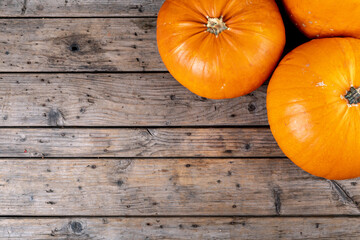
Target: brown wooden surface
{"points": [[152, 99], [98, 141], [138, 142], [180, 228], [168, 187], [90, 44], [79, 8]]}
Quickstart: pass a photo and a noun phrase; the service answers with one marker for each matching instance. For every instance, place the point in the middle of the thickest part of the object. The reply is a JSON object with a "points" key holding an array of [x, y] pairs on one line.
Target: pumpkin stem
{"points": [[216, 25], [353, 95]]}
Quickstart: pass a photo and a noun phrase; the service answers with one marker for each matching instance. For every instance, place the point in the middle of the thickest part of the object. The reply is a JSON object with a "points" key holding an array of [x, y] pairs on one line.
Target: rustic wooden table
{"points": [[98, 141]]}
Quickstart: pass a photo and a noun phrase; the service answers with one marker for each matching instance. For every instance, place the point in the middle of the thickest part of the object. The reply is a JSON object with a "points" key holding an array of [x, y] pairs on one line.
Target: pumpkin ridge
{"points": [[186, 7], [319, 133], [220, 70]]}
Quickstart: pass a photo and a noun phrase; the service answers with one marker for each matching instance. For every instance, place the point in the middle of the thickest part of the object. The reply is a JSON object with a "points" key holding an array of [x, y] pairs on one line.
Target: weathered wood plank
{"points": [[168, 187], [180, 228], [152, 99], [140, 142], [102, 44], [79, 8]]}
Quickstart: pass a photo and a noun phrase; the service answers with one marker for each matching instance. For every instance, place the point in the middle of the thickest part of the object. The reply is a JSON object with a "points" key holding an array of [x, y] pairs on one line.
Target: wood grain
{"points": [[172, 175], [79, 8], [180, 228], [169, 187], [152, 99], [137, 142], [102, 44]]}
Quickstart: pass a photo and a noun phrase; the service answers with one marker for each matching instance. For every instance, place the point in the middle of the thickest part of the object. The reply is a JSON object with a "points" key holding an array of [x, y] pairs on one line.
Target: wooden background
{"points": [[98, 141]]}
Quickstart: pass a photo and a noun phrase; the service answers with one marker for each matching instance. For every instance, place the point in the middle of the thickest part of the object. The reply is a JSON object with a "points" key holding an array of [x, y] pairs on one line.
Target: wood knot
{"points": [[76, 227], [251, 107], [120, 182], [55, 117], [74, 47]]}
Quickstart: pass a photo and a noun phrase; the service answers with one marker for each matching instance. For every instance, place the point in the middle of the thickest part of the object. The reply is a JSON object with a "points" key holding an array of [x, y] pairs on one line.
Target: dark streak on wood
{"points": [[24, 7], [277, 200]]}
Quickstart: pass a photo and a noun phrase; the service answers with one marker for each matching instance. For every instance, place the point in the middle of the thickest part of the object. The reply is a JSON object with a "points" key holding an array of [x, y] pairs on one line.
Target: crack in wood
{"points": [[149, 132], [343, 195]]}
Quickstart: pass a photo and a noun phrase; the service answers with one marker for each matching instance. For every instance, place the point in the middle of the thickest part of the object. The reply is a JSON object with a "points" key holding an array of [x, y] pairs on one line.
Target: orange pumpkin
{"points": [[220, 48], [313, 108], [325, 18]]}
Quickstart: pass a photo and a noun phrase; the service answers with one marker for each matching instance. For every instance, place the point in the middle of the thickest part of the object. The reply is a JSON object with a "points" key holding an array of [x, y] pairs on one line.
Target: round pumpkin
{"points": [[313, 110], [220, 48], [325, 18]]}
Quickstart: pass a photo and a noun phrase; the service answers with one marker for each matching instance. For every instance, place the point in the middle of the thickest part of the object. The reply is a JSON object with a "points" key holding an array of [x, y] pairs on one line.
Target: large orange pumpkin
{"points": [[313, 108], [325, 18], [220, 48]]}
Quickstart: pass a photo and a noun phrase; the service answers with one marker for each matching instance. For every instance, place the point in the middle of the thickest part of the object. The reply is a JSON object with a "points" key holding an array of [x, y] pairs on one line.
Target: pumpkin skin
{"points": [[236, 61], [325, 18], [311, 120]]}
